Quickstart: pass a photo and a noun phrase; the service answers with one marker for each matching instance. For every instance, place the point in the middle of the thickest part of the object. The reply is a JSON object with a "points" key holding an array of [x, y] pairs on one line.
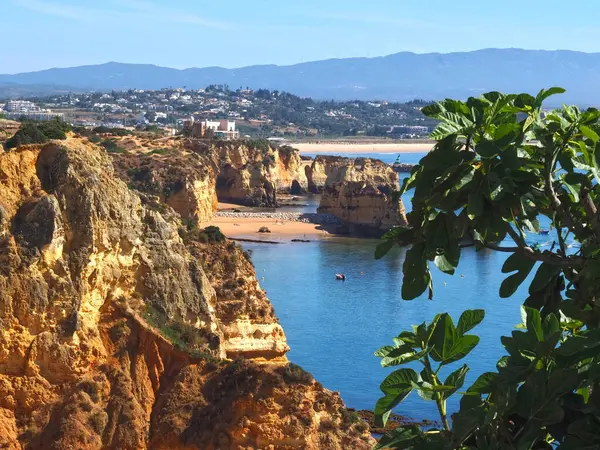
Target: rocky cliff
{"points": [[118, 325], [183, 180], [8, 128], [249, 173], [363, 192], [253, 174], [320, 168]]}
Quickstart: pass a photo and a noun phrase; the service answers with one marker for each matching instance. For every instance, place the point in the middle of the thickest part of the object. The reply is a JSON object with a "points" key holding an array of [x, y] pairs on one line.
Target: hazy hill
{"points": [[401, 76]]}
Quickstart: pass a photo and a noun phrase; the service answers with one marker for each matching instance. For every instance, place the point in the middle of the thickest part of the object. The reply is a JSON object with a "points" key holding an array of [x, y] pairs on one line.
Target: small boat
{"points": [[544, 231], [340, 276]]}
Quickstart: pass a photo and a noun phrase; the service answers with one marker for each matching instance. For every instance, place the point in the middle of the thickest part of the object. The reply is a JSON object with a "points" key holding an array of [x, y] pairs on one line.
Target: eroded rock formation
{"points": [[183, 180], [115, 330], [320, 168], [363, 193], [253, 176]]}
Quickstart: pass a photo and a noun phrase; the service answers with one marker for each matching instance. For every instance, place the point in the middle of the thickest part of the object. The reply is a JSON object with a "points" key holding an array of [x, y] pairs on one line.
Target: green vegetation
{"points": [[209, 235], [160, 151], [111, 146], [32, 132], [498, 166], [113, 131], [293, 373], [258, 144], [260, 113], [182, 335]]}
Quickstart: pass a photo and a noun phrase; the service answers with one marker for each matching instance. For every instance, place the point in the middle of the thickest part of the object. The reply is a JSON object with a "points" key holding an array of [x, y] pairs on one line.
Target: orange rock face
{"points": [[363, 193], [117, 334], [250, 175]]}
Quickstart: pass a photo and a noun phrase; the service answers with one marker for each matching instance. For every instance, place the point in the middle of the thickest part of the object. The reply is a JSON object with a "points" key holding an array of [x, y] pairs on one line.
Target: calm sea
{"points": [[333, 327]]}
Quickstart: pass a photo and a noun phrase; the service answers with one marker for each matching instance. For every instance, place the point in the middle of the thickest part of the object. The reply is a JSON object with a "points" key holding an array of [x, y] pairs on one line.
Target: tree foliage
{"points": [[499, 165], [32, 132]]}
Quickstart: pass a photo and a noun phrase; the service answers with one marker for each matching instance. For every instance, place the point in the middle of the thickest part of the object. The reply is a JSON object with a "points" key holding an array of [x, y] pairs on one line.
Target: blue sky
{"points": [[40, 34]]}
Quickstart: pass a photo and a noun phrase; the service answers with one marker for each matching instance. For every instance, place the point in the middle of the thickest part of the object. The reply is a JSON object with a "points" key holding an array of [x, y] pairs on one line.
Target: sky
{"points": [[42, 34]]}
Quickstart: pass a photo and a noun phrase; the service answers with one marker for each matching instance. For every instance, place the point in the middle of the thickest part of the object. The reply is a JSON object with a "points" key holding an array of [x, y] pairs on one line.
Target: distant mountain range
{"points": [[401, 76]]}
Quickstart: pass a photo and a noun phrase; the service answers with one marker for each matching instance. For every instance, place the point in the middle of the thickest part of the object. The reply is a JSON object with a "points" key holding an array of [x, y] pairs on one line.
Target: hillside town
{"points": [[229, 113]]}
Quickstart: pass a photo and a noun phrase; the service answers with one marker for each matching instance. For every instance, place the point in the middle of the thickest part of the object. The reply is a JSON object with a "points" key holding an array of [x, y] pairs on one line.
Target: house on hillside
{"points": [[223, 128]]}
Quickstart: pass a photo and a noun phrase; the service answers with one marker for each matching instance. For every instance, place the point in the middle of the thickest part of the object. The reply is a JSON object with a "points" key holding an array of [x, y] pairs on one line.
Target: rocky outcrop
{"points": [[8, 128], [115, 331], [252, 174], [363, 192], [320, 168], [247, 318], [185, 181], [402, 167]]}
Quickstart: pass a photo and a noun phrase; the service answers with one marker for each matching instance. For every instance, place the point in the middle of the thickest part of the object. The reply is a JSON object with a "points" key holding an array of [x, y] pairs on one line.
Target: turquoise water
{"points": [[334, 327]]}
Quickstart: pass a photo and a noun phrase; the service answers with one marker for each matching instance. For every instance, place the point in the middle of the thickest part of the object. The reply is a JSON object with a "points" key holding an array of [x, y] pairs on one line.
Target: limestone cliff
{"points": [[320, 168], [247, 318], [8, 128], [114, 329], [249, 173], [183, 180], [252, 174], [363, 193]]}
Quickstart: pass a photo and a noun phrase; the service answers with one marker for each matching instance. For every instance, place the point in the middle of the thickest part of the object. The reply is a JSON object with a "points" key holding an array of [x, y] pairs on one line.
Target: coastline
{"points": [[281, 230], [325, 148]]}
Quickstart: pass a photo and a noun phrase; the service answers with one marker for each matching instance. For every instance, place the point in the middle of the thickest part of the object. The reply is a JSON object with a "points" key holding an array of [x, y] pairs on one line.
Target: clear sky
{"points": [[40, 34]]}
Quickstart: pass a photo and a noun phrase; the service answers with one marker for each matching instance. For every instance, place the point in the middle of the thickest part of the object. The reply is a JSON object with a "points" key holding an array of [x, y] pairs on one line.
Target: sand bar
{"points": [[342, 147], [244, 227]]}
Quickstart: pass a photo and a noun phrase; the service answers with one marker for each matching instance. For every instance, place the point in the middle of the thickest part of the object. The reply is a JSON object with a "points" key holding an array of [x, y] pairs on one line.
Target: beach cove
{"points": [[334, 327]]}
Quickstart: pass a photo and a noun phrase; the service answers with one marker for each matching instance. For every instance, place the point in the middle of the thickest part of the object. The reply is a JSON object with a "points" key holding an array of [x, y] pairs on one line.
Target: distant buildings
{"points": [[409, 130], [220, 128], [15, 109]]}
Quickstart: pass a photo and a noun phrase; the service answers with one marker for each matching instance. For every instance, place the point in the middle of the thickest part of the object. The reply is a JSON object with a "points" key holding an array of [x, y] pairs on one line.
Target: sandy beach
{"points": [[247, 228], [349, 147]]}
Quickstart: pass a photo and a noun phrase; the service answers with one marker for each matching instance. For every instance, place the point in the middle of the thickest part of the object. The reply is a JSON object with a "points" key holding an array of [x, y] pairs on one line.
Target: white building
{"points": [[15, 109]]}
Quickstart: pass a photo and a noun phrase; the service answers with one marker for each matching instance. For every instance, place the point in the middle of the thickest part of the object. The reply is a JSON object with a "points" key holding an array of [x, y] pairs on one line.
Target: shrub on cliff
{"points": [[258, 144], [38, 133], [293, 373], [114, 131], [501, 164], [209, 235], [111, 146]]}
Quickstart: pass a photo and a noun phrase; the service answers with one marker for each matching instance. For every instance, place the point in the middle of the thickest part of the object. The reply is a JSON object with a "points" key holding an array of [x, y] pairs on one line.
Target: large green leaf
{"points": [[456, 380], [523, 266], [534, 323], [400, 438], [462, 347], [469, 319], [447, 345], [475, 205], [443, 337], [589, 133], [583, 434], [574, 346], [443, 264], [545, 273], [399, 380], [383, 248], [396, 387], [385, 404], [416, 273], [545, 93], [484, 384], [399, 355]]}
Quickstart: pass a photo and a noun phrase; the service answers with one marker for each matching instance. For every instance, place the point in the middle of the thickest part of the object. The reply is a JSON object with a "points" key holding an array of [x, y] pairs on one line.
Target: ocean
{"points": [[334, 327]]}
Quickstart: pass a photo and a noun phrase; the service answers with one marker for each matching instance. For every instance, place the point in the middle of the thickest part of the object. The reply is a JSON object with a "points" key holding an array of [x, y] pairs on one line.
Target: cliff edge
{"points": [[119, 326], [363, 192]]}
